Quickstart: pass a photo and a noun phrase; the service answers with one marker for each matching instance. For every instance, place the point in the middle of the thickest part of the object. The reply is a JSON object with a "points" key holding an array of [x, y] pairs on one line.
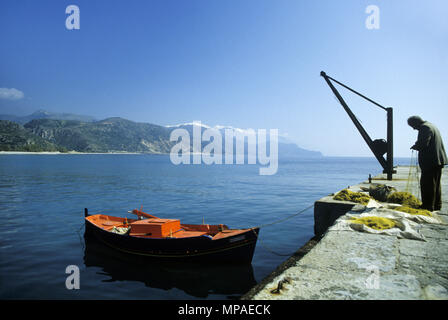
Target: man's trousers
{"points": [[431, 188]]}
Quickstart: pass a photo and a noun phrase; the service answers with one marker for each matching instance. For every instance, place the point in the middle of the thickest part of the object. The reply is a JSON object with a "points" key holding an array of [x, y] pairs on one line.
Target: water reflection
{"points": [[197, 280]]}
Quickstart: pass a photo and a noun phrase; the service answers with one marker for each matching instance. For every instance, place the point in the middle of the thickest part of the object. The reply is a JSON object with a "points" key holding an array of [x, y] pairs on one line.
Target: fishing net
{"points": [[404, 198], [413, 211], [393, 221], [374, 222], [120, 230], [347, 195]]}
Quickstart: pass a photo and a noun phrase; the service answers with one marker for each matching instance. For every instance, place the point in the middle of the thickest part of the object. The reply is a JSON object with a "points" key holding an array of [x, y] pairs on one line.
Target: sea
{"points": [[42, 201]]}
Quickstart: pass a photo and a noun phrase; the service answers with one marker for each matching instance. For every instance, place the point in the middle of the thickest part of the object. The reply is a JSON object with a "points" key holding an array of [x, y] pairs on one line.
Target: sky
{"points": [[241, 63]]}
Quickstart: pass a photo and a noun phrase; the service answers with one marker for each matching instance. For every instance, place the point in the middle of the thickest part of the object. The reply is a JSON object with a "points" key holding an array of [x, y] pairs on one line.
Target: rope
{"points": [[416, 178], [286, 218], [272, 251], [80, 237], [413, 176], [275, 222], [410, 171]]}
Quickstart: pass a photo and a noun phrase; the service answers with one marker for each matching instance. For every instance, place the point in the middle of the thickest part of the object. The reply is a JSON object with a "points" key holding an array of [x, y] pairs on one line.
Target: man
{"points": [[431, 158]]}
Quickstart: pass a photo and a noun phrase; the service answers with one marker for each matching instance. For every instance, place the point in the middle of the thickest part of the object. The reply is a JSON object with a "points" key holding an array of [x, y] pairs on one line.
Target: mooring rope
{"points": [[272, 251], [275, 222], [286, 218], [80, 237]]}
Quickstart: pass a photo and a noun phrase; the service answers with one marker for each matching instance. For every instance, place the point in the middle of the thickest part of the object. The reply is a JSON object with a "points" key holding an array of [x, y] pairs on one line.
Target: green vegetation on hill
{"points": [[109, 135], [14, 137]]}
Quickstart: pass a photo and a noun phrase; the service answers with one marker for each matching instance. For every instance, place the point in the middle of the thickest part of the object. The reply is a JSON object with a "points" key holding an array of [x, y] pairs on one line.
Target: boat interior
{"points": [[154, 227]]}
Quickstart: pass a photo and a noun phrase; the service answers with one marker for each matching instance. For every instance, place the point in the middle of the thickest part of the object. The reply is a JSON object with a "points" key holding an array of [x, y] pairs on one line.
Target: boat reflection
{"points": [[197, 280]]}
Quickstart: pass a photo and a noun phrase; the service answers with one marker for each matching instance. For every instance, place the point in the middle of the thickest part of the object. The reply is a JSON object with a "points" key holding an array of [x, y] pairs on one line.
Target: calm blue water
{"points": [[42, 198]]}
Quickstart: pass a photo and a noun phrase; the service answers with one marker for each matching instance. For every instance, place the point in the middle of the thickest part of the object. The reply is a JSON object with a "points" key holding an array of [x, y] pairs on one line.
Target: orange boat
{"points": [[168, 239]]}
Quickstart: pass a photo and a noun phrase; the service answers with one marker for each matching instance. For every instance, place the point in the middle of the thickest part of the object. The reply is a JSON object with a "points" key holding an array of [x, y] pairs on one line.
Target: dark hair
{"points": [[415, 121]]}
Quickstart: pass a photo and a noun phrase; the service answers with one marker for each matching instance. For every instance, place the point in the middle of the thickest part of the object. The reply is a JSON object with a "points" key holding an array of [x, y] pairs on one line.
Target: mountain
{"points": [[118, 135], [14, 137], [286, 148], [43, 114], [109, 135]]}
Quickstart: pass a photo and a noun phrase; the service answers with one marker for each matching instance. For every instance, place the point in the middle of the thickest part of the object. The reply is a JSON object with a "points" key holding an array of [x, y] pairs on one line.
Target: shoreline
{"points": [[69, 153], [149, 153]]}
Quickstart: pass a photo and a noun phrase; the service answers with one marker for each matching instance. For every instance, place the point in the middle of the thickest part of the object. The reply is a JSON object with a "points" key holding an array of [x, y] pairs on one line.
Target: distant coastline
{"points": [[115, 152], [65, 153], [48, 133]]}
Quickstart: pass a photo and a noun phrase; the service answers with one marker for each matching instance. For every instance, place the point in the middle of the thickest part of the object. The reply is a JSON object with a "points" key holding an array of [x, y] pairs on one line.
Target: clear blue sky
{"points": [[244, 63]]}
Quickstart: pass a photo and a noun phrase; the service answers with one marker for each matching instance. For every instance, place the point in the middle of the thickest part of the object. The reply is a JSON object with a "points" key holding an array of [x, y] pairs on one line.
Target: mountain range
{"points": [[47, 131], [43, 114]]}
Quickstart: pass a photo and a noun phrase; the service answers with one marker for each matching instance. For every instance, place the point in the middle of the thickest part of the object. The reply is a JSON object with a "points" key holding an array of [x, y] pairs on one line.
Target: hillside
{"points": [[109, 135], [14, 137]]}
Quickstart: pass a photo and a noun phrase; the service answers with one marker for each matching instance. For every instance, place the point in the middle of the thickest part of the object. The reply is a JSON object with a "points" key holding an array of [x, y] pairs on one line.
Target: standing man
{"points": [[431, 158]]}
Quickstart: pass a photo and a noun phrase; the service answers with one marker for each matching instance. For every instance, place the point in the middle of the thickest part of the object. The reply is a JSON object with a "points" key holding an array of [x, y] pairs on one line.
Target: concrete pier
{"points": [[357, 265]]}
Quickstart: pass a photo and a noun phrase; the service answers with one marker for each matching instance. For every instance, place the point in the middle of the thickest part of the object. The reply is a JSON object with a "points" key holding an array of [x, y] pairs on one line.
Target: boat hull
{"points": [[234, 249]]}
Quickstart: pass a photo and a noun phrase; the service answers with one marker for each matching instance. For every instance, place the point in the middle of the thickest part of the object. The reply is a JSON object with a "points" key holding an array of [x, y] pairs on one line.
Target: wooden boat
{"points": [[168, 239]]}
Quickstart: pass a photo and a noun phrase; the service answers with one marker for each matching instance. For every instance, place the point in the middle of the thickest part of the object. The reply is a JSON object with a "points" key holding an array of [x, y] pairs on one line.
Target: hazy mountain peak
{"points": [[41, 112], [188, 124]]}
